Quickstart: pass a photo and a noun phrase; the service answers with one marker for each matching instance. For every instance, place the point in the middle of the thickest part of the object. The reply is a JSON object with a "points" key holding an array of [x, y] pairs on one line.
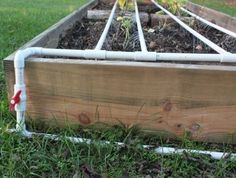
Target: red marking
{"points": [[15, 100]]}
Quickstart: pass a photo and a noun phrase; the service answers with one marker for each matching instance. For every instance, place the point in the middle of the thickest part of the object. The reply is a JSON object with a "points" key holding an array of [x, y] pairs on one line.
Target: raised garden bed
{"points": [[169, 98]]}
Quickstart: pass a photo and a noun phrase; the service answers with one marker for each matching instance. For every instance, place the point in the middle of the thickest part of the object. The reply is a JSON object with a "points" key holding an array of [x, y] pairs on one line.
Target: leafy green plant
{"points": [[126, 25]]}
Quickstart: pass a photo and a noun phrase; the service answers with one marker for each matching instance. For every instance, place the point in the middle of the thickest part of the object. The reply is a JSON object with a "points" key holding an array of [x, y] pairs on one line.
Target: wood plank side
{"points": [[170, 99], [217, 17]]}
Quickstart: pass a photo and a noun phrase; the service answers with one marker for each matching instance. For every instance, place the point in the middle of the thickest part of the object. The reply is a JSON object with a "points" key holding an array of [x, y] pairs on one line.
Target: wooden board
{"points": [[214, 16], [173, 98], [95, 14]]}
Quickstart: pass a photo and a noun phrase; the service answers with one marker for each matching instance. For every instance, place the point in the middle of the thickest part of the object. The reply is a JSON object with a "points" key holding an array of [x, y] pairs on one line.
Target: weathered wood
{"points": [[174, 98], [217, 17], [162, 19], [98, 14], [104, 14]]}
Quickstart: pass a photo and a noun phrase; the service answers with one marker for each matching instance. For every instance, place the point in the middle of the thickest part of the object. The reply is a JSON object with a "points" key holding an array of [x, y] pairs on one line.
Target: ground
{"points": [[41, 157]]}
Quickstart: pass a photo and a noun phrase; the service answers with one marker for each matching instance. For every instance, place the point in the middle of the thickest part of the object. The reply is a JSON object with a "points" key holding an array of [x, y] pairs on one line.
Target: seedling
{"points": [[126, 24]]}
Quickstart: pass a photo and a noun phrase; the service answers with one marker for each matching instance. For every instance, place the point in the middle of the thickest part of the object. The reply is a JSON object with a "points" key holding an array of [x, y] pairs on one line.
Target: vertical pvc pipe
{"points": [[196, 34], [106, 29], [20, 85], [140, 31]]}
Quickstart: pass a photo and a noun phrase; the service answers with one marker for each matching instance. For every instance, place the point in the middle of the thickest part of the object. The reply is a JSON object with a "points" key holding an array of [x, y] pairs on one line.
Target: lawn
{"points": [[225, 6], [20, 20]]}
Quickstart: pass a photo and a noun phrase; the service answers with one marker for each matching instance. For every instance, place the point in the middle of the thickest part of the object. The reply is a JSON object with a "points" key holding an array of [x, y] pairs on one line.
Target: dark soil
{"points": [[173, 38], [105, 5], [165, 37], [148, 8], [116, 39], [223, 40], [83, 35]]}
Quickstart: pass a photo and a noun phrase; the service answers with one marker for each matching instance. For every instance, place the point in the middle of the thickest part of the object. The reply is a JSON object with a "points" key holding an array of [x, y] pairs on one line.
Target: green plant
{"points": [[126, 25], [172, 5], [122, 3]]}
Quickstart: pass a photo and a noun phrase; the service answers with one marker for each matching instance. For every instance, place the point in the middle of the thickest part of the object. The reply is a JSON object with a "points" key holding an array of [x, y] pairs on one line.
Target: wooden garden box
{"points": [[165, 97]]}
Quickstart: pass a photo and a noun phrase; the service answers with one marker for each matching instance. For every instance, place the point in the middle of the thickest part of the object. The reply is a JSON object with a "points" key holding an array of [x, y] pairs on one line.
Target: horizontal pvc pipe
{"points": [[214, 154], [158, 150], [139, 56], [106, 29], [224, 30], [140, 31], [196, 34]]}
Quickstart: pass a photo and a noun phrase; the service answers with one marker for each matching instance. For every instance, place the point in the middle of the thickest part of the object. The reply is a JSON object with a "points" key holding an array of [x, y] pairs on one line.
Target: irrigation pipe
{"points": [[189, 29], [159, 150], [106, 29], [209, 23], [18, 101], [140, 31], [123, 56]]}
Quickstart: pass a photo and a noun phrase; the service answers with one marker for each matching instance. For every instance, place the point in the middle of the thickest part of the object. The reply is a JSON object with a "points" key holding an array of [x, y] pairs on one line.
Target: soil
{"points": [[148, 8], [83, 35], [166, 37], [105, 5], [221, 39], [116, 39], [173, 38]]}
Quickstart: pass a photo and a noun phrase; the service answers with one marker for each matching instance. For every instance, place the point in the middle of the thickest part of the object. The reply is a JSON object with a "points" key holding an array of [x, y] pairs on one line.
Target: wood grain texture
{"points": [[173, 98], [217, 17], [95, 14]]}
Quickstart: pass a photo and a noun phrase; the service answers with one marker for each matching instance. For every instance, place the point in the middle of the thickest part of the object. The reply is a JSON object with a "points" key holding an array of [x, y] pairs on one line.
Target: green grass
{"points": [[20, 20], [219, 5], [41, 157]]}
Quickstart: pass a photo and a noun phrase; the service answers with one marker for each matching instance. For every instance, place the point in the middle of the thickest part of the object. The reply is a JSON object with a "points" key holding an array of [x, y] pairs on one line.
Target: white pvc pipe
{"points": [[140, 31], [224, 30], [138, 55], [213, 154], [22, 55], [106, 29], [196, 34], [158, 150]]}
